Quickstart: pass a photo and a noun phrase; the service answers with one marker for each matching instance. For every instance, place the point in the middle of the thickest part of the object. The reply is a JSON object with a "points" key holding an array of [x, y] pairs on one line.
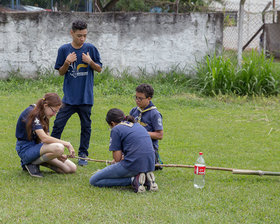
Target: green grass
{"points": [[236, 132]]}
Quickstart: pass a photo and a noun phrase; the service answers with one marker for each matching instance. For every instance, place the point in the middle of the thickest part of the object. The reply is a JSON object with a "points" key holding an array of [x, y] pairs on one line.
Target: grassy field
{"points": [[231, 132]]}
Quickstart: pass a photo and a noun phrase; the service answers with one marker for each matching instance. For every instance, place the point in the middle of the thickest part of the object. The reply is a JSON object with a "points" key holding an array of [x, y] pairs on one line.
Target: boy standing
{"points": [[148, 116], [77, 61]]}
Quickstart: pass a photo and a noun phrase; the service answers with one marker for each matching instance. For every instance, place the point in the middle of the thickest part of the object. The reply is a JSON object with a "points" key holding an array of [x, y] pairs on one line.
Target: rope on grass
{"points": [[234, 171]]}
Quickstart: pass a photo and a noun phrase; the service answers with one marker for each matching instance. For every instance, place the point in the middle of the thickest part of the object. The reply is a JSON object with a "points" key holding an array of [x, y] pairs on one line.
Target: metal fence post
{"points": [[240, 31], [13, 4], [18, 3], [90, 6]]}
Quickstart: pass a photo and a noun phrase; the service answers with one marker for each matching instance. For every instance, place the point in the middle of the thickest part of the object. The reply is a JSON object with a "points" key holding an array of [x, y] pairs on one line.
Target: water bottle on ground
{"points": [[199, 172]]}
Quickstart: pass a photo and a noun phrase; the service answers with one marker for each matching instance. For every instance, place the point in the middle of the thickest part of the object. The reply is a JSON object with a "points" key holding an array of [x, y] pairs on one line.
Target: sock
{"points": [[41, 159]]}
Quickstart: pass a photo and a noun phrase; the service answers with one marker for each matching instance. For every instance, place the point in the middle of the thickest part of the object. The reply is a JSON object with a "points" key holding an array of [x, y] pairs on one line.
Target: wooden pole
{"points": [[234, 171], [160, 165], [255, 172]]}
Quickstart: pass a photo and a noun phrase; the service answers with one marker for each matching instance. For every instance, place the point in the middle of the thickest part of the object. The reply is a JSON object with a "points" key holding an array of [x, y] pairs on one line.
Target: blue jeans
{"points": [[113, 175], [65, 112]]}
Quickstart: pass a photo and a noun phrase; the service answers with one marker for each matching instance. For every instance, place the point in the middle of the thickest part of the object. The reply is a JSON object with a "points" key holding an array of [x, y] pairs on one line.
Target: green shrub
{"points": [[220, 75], [215, 75], [256, 76]]}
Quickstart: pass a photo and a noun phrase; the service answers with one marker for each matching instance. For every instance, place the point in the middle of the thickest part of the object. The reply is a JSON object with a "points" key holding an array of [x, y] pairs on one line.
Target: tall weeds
{"points": [[256, 76], [219, 75]]}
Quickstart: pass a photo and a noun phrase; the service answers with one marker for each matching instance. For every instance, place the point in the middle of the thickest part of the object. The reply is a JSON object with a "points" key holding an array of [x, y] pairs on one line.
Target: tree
{"points": [[146, 5], [122, 5], [102, 6]]}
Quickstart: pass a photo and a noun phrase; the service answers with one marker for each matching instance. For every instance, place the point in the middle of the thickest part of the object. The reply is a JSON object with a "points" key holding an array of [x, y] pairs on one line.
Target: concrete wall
{"points": [[126, 41]]}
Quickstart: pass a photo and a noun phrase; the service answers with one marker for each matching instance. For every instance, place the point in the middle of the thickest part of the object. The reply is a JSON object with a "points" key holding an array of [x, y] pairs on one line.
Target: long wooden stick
{"points": [[160, 165], [255, 172], [234, 171]]}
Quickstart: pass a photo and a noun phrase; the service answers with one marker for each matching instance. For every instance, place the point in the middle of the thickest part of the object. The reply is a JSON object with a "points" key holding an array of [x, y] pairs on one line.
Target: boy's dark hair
{"points": [[79, 25], [146, 89], [117, 116]]}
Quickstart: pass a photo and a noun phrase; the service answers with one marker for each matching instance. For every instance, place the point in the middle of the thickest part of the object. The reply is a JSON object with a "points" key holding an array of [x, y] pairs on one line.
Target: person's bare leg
{"points": [[62, 167]]}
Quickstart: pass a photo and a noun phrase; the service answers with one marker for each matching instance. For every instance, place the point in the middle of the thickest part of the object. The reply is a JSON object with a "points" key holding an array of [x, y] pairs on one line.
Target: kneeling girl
{"points": [[133, 155], [34, 144]]}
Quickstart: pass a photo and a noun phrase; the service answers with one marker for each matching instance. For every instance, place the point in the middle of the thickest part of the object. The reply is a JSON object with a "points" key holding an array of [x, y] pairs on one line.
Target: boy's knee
{"points": [[73, 169], [69, 168], [93, 181]]}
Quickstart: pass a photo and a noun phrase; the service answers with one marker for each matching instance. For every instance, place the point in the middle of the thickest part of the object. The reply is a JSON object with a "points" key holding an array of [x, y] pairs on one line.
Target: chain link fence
{"points": [[259, 15]]}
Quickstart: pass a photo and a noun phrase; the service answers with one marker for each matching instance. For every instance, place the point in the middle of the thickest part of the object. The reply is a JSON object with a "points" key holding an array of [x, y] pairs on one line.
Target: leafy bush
{"points": [[131, 5], [215, 75], [220, 75], [256, 76]]}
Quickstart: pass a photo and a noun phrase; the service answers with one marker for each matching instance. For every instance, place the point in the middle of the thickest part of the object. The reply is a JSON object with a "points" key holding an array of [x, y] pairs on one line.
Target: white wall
{"points": [[133, 41]]}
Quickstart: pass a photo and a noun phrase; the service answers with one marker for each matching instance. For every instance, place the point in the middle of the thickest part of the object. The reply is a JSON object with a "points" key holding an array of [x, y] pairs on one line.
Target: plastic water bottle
{"points": [[199, 172]]}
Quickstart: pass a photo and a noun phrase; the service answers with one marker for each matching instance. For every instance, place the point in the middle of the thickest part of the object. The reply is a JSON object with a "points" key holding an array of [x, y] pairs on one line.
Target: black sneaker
{"points": [[83, 162], [138, 183], [150, 182], [158, 167], [24, 169], [158, 161], [33, 170]]}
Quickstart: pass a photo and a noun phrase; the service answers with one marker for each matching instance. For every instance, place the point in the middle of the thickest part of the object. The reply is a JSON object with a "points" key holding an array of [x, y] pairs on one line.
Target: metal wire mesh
{"points": [[257, 13]]}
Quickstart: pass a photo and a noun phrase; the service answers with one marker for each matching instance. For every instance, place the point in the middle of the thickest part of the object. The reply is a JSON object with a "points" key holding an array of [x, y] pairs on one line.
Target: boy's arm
{"points": [[87, 59], [157, 135], [117, 156], [64, 68], [70, 59], [95, 66]]}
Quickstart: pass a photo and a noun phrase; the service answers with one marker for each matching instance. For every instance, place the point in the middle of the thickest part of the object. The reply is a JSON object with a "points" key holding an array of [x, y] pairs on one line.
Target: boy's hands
{"points": [[71, 58], [62, 158], [71, 149], [86, 58]]}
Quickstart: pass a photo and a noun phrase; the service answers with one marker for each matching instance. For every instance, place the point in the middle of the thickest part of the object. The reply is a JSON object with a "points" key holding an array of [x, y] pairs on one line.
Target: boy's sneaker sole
{"points": [[150, 182], [141, 180]]}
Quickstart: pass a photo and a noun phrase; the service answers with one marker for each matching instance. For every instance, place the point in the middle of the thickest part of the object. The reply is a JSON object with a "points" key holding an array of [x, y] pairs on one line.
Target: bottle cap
{"points": [[201, 153]]}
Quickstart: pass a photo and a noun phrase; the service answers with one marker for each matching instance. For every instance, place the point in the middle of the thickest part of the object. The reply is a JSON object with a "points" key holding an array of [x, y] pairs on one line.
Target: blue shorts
{"points": [[28, 151]]}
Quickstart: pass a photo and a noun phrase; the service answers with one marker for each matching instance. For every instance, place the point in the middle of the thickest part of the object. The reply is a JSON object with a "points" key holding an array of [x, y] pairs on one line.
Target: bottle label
{"points": [[199, 170]]}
